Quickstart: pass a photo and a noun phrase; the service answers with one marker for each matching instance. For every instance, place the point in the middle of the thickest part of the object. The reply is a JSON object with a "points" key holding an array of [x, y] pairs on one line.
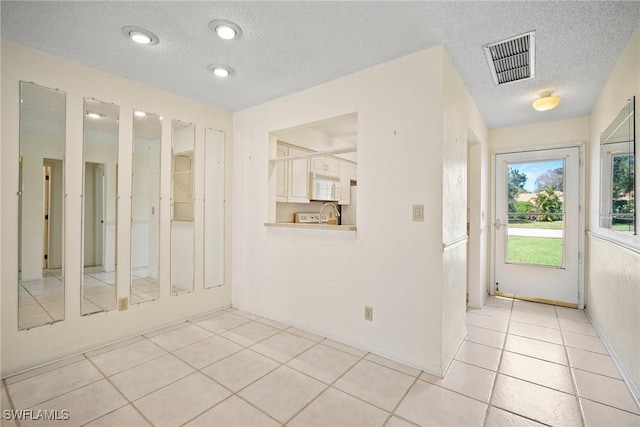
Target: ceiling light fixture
{"points": [[546, 102], [225, 29], [221, 70], [93, 115], [140, 35], [139, 113]]}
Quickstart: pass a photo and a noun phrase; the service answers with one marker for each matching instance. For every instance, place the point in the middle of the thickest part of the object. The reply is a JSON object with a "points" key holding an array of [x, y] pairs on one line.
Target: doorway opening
{"points": [[537, 225]]}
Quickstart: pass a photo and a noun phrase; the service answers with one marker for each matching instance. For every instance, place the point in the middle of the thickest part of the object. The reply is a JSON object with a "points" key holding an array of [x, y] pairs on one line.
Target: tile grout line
{"points": [[248, 348], [167, 352], [330, 385], [495, 378], [129, 402], [137, 365], [571, 372], [395, 408], [244, 347], [10, 399], [37, 302]]}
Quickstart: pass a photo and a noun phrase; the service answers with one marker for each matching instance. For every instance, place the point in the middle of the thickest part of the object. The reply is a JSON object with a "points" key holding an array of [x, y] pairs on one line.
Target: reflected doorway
{"points": [[41, 298], [46, 191], [94, 214]]}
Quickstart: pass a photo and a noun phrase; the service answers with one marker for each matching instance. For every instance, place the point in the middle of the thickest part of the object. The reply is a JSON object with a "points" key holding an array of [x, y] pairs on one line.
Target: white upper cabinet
{"points": [[298, 177], [325, 165], [281, 174], [292, 176], [345, 168]]}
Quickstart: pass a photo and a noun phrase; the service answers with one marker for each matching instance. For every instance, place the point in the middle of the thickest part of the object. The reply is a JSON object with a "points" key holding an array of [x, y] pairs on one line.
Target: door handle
{"points": [[497, 224]]}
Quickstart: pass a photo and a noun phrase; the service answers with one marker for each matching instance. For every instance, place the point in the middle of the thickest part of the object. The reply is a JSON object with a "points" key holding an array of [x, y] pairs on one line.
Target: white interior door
{"points": [[536, 225], [100, 216]]}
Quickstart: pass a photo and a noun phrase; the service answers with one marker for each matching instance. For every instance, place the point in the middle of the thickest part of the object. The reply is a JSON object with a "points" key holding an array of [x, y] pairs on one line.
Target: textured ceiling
{"points": [[289, 46]]}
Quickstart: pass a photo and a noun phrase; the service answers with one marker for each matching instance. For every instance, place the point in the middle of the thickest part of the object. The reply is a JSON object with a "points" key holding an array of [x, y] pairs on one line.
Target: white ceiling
{"points": [[289, 46]]}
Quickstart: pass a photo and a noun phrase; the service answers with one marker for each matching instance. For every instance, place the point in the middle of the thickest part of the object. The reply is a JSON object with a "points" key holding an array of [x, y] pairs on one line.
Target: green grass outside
{"points": [[548, 225], [557, 225], [535, 250], [622, 227]]}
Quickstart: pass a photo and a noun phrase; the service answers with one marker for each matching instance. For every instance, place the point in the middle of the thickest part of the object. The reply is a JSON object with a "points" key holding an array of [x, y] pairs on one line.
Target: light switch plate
{"points": [[418, 212], [368, 313]]}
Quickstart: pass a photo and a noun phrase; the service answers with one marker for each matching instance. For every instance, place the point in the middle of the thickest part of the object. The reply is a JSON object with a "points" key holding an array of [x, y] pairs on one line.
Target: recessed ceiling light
{"points": [[140, 35], [225, 29], [139, 113], [93, 115], [546, 102], [221, 70]]}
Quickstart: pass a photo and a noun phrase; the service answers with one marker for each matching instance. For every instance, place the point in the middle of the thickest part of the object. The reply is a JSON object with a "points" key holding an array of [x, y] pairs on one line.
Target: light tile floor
{"points": [[522, 364]]}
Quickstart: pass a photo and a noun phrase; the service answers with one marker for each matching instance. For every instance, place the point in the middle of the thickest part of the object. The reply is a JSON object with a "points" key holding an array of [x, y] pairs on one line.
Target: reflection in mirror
{"points": [[41, 206], [145, 204], [100, 206], [182, 232], [617, 172], [213, 208]]}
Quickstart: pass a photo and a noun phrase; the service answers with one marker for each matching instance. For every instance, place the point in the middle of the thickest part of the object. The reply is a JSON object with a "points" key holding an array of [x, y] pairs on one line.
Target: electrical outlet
{"points": [[368, 313], [418, 212], [123, 303]]}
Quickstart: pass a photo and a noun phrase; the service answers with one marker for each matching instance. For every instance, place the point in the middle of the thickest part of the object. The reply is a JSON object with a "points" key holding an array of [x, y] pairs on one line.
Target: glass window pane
{"points": [[535, 213], [622, 194]]}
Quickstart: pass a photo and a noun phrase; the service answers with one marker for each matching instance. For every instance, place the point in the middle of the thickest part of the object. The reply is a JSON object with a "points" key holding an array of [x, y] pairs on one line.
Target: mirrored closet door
{"points": [[213, 208], [41, 206], [99, 195], [145, 207], [182, 209]]}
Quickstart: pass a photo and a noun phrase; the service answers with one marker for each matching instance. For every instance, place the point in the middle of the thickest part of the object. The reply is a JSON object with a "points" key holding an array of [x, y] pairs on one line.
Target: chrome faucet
{"points": [[322, 209]]}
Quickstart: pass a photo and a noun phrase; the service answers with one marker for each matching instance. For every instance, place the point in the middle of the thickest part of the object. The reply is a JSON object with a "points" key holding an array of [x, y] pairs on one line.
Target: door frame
{"points": [[581, 212]]}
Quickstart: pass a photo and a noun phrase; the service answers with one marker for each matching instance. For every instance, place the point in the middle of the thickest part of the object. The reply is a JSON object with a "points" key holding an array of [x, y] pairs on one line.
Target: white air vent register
{"points": [[512, 59]]}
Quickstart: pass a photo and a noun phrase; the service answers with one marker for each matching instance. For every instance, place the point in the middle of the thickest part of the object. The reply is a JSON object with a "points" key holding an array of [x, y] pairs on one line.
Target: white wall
{"points": [[460, 118], [76, 333], [559, 132], [321, 280], [613, 274]]}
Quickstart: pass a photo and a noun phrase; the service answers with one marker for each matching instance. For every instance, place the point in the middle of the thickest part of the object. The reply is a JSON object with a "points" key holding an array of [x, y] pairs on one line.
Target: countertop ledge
{"points": [[314, 226]]}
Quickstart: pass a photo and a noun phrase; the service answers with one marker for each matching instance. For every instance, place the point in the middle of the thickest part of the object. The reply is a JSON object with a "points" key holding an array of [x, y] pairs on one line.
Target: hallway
{"points": [[235, 368]]}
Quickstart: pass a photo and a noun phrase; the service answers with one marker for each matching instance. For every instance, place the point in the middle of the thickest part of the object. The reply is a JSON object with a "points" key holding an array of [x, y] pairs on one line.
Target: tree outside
{"points": [[548, 201], [623, 191], [551, 178]]}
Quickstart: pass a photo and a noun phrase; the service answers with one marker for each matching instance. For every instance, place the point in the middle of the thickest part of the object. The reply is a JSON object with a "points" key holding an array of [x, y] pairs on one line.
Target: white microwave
{"points": [[325, 187]]}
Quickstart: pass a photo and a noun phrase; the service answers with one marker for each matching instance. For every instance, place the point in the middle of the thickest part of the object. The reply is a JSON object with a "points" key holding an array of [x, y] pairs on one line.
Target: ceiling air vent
{"points": [[512, 59]]}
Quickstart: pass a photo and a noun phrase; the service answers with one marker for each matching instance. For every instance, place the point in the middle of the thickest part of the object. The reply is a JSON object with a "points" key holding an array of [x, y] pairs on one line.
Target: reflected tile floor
{"points": [[521, 364], [41, 300]]}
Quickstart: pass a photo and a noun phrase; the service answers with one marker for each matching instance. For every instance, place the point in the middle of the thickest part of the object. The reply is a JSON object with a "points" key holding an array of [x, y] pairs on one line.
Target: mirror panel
{"points": [[145, 207], [99, 195], [617, 172], [213, 208], [182, 198], [41, 206]]}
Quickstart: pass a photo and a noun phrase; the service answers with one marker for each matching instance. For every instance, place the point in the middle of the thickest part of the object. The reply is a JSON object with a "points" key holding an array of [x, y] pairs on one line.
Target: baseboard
{"points": [[635, 392], [452, 354], [414, 363], [83, 349]]}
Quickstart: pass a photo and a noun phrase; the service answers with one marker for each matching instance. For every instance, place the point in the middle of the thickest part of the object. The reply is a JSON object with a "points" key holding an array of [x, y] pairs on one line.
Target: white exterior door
{"points": [[536, 225]]}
